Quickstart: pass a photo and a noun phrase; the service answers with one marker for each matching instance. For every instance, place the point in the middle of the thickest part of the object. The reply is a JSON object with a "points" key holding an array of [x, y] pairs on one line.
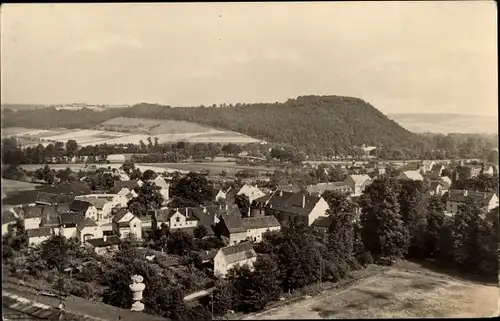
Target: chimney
{"points": [[281, 193], [104, 238], [187, 211], [226, 207], [303, 201], [465, 192]]}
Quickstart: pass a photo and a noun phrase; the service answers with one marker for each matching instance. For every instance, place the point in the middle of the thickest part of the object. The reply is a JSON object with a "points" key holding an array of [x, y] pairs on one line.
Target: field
{"points": [[9, 186], [404, 291], [447, 123], [124, 130]]}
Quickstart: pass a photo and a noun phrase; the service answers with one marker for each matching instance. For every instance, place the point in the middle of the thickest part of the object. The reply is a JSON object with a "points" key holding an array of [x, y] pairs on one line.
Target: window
{"points": [[177, 219]]}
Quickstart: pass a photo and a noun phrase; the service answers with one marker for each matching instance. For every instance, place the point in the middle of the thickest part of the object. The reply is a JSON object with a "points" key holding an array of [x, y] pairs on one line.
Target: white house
{"points": [[177, 218], [86, 208], [258, 225], [88, 229], [426, 165], [127, 193], [127, 223], [297, 208], [164, 187], [38, 235], [32, 216], [222, 194], [252, 192], [358, 183], [487, 201], [232, 256], [410, 175], [117, 200]]}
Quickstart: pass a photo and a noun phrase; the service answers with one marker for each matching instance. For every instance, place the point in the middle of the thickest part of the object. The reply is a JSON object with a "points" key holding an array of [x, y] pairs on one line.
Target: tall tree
{"points": [[383, 230], [192, 190], [243, 203], [411, 208], [435, 222], [71, 148]]}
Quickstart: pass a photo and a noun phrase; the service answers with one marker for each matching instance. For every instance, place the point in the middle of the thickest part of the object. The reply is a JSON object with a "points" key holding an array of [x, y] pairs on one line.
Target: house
{"points": [[257, 226], [320, 188], [357, 183], [267, 204], [105, 244], [446, 181], [301, 208], [436, 188], [87, 229], [102, 205], [32, 216], [222, 194], [252, 192], [130, 185], [410, 175], [231, 227], [117, 200], [182, 218], [232, 256], [322, 224], [8, 218], [427, 166], [488, 170], [127, 194], [487, 201], [164, 187], [437, 170], [38, 235], [69, 224], [125, 223], [85, 208]]}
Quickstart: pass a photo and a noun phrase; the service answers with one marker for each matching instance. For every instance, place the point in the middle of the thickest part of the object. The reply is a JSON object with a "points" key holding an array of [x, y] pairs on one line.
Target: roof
{"points": [[322, 187], [294, 204], [97, 202], [322, 222], [50, 220], [121, 213], [360, 179], [459, 196], [161, 182], [289, 188], [260, 222], [110, 241], [33, 212], [163, 215], [39, 232], [234, 223], [413, 175], [208, 255], [437, 167], [239, 252], [8, 217], [79, 206], [77, 188], [435, 184], [251, 191], [131, 184], [87, 222], [71, 218], [277, 198]]}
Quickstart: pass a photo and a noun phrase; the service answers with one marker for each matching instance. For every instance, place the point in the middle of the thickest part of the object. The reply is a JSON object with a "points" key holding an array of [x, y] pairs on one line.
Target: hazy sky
{"points": [[437, 57]]}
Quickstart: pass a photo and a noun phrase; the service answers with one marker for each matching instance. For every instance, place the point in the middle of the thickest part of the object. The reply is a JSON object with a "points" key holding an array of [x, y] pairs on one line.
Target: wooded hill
{"points": [[313, 124]]}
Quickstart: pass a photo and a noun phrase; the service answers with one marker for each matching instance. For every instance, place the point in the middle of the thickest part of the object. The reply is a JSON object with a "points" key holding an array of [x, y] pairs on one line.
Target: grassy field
{"points": [[9, 186], [404, 291]]}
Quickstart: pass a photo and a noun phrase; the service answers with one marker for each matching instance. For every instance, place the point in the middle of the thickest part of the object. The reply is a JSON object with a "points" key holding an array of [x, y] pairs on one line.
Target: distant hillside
{"points": [[447, 123], [314, 124]]}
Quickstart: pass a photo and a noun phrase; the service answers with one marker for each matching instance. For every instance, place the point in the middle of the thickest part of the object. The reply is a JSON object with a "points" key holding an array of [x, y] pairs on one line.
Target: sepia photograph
{"points": [[249, 160]]}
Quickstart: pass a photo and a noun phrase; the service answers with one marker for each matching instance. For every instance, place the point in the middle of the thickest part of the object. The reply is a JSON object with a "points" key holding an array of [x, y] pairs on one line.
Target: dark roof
{"points": [[71, 219], [32, 211], [206, 218], [21, 198], [50, 221], [322, 222], [294, 204], [239, 252], [120, 214], [260, 222], [208, 255], [44, 231], [131, 184], [436, 167], [164, 214], [110, 241], [435, 184], [79, 206], [8, 217], [234, 223], [479, 197], [52, 198], [87, 222]]}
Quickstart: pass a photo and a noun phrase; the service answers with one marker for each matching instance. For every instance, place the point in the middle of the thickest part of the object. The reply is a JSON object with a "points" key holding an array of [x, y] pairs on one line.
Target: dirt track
{"points": [[397, 293]]}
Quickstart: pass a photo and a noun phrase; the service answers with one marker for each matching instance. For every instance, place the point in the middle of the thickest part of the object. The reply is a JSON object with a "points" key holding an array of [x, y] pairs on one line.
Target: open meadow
{"points": [[403, 291], [12, 186]]}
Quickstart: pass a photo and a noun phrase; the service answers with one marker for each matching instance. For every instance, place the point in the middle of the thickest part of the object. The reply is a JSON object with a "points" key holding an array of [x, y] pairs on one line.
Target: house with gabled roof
{"points": [[322, 224], [358, 183], [164, 187], [38, 235], [268, 204], [130, 185], [486, 200], [32, 216], [127, 193], [252, 192], [125, 223], [8, 218], [84, 207], [232, 256], [232, 228], [437, 170], [88, 229], [258, 225], [222, 193], [103, 206], [410, 175], [105, 244], [301, 208], [436, 188]]}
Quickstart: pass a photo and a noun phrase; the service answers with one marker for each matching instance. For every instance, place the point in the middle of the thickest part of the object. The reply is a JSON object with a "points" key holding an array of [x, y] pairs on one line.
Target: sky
{"points": [[402, 57]]}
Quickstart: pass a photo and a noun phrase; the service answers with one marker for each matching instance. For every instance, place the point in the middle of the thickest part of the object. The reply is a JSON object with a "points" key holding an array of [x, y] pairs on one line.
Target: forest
{"points": [[315, 125]]}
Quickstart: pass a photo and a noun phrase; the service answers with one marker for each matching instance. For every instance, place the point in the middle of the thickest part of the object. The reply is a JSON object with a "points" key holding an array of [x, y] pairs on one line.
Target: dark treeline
{"points": [[315, 125]]}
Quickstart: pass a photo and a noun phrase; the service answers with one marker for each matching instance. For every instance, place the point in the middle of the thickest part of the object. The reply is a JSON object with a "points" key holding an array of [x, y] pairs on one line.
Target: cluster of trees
{"points": [[398, 219], [334, 126], [461, 179]]}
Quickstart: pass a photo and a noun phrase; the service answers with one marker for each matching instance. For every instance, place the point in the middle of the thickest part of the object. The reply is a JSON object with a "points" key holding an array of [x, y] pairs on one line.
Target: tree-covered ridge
{"points": [[316, 125]]}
